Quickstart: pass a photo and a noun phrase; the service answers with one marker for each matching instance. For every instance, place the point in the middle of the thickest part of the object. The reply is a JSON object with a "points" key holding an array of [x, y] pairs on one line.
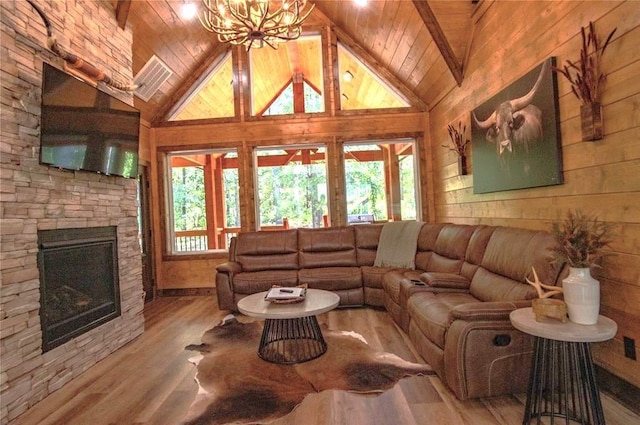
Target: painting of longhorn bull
{"points": [[516, 136]]}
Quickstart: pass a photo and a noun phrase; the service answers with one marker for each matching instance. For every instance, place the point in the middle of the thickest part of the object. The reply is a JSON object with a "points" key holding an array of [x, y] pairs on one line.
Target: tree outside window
{"points": [[380, 181], [204, 200], [291, 186]]}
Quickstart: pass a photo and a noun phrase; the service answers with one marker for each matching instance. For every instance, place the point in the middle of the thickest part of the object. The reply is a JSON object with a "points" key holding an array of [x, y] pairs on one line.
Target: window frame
{"points": [[306, 145], [248, 76], [416, 171], [169, 221]]}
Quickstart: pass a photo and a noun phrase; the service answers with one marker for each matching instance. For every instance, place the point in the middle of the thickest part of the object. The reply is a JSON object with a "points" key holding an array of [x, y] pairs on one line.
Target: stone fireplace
{"points": [[79, 287], [36, 199]]}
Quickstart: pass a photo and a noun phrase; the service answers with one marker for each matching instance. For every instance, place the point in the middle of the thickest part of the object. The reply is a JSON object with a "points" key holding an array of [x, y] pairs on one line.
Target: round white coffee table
{"points": [[562, 382], [291, 333]]}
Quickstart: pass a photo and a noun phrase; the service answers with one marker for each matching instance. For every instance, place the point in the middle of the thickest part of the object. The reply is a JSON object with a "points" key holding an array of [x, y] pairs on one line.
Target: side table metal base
{"points": [[287, 341], [563, 384]]}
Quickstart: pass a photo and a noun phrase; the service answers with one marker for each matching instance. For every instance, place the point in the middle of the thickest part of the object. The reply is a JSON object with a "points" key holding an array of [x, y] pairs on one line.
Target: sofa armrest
{"points": [[224, 284], [229, 267], [488, 310], [445, 280]]}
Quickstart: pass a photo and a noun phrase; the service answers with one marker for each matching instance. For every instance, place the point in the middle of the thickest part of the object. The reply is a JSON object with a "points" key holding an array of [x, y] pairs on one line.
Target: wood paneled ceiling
{"points": [[419, 44]]}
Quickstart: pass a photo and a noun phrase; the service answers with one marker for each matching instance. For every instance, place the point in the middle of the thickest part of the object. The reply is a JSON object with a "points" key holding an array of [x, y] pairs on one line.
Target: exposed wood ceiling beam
{"points": [[279, 160], [365, 156], [188, 161], [404, 149], [274, 98], [122, 12], [429, 19], [290, 155]]}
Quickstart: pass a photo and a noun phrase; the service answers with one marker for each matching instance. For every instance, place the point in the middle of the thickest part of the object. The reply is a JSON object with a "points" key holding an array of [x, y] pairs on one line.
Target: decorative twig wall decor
{"points": [[459, 145], [586, 79]]}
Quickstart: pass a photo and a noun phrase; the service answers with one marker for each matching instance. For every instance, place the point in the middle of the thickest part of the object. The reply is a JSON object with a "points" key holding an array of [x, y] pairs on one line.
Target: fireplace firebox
{"points": [[79, 287]]}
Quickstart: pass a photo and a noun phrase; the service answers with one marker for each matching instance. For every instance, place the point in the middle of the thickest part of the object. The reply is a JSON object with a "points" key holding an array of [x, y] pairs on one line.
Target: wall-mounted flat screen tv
{"points": [[84, 128]]}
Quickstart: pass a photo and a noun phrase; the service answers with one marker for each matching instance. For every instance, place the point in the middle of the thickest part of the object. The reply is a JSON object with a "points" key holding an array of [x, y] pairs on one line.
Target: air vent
{"points": [[152, 75]]}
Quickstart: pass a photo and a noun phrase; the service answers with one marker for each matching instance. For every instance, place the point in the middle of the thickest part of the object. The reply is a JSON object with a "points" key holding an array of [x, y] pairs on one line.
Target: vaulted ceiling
{"points": [[419, 45]]}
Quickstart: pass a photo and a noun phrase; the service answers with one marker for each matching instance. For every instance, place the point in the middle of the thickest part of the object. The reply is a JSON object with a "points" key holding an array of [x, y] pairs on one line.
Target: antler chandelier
{"points": [[254, 23]]}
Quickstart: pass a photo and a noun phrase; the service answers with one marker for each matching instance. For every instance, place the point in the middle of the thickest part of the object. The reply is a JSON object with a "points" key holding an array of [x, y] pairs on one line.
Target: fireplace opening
{"points": [[79, 287]]}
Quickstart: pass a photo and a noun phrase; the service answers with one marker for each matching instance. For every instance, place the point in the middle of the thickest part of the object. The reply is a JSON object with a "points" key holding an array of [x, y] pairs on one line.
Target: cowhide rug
{"points": [[236, 386]]}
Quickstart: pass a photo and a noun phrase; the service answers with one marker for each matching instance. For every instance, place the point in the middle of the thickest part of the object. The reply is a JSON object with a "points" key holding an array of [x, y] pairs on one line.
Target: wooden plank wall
{"points": [[144, 150], [601, 177]]}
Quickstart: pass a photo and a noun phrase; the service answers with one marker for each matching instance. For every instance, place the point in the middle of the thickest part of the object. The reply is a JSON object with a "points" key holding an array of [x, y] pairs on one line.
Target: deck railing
{"points": [[191, 240], [197, 240]]}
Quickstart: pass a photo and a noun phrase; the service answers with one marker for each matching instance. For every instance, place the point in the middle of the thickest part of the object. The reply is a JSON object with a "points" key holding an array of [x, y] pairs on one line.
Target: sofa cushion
{"points": [[445, 280], [367, 237], [489, 286], [372, 276], [507, 261], [453, 240], [442, 264], [475, 250], [450, 248], [252, 282], [478, 244], [391, 282], [428, 236], [430, 312], [331, 278], [277, 250], [327, 247], [426, 244]]}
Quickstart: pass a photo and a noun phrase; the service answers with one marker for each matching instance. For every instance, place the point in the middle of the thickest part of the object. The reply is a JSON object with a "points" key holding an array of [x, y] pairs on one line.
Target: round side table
{"points": [[562, 383]]}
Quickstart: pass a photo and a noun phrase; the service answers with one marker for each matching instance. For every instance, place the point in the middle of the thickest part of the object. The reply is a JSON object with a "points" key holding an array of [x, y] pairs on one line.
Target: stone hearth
{"points": [[36, 197]]}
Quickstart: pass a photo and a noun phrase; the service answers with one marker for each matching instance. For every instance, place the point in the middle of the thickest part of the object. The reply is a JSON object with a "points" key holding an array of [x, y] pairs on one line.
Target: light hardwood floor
{"points": [[151, 382]]}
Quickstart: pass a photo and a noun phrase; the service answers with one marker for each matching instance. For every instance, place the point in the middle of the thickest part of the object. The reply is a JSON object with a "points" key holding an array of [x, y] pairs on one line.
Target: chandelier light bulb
{"points": [[188, 11], [255, 23], [288, 18]]}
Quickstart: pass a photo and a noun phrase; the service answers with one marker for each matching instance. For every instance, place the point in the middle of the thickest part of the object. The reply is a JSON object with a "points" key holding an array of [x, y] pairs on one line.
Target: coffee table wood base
{"points": [[288, 341]]}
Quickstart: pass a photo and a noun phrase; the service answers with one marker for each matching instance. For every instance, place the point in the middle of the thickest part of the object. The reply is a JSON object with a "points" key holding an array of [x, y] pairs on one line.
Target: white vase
{"points": [[582, 295]]}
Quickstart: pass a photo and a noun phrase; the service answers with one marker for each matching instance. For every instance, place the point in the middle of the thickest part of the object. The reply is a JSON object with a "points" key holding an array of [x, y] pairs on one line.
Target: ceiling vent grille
{"points": [[152, 75]]}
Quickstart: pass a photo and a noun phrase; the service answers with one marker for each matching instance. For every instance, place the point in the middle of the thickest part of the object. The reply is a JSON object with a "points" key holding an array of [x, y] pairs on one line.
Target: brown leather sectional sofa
{"points": [[454, 306]]}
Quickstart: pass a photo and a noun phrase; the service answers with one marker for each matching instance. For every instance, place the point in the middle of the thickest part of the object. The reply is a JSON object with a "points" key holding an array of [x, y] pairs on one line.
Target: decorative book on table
{"points": [[281, 294]]}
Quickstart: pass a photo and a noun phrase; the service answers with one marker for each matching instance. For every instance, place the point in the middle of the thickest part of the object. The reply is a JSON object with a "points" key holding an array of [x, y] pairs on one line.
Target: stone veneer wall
{"points": [[35, 197]]}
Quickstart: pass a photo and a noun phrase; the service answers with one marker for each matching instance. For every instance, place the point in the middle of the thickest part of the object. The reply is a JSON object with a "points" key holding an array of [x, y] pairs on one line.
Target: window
{"points": [[291, 186], [204, 207], [365, 187], [287, 80], [361, 88], [381, 181], [283, 104], [212, 97]]}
